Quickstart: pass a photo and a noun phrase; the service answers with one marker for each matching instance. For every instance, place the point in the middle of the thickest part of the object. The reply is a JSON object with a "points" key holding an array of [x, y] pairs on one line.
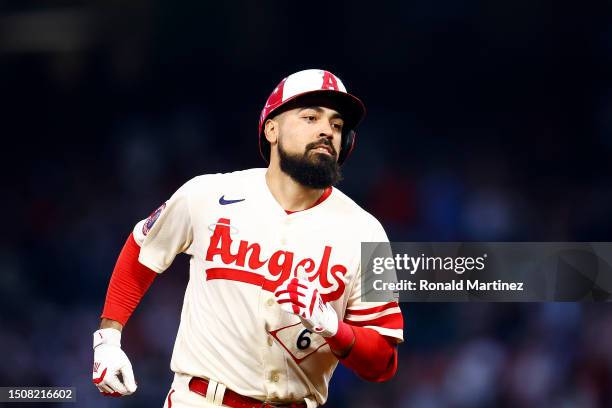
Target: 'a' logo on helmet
{"points": [[329, 81]]}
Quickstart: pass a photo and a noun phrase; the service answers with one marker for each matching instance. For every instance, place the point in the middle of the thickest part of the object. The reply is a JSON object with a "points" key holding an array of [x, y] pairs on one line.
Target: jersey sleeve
{"points": [[166, 232], [384, 317]]}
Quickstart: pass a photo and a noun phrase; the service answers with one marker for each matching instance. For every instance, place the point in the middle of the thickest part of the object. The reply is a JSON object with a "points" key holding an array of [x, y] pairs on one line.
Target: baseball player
{"points": [[274, 299]]}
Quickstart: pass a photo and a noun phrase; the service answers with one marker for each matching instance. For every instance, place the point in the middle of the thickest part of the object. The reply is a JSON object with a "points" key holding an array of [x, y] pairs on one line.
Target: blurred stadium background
{"points": [[486, 121]]}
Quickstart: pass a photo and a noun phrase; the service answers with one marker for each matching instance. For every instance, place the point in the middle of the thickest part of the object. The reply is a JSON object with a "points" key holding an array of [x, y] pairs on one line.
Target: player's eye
{"points": [[310, 118], [337, 126]]}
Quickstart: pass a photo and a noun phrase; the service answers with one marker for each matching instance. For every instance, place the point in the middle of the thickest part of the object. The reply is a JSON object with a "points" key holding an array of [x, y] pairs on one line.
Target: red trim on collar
{"points": [[323, 197]]}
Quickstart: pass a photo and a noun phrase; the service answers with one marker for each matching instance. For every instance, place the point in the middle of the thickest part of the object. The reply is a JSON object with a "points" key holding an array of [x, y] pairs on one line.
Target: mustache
{"points": [[322, 143]]}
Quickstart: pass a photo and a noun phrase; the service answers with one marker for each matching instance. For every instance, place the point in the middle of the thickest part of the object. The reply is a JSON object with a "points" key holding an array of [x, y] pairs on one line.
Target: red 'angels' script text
{"points": [[279, 265]]}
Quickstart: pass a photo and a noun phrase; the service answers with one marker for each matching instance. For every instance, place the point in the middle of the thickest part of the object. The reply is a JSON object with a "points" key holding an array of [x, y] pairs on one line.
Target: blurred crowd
{"points": [[486, 122]]}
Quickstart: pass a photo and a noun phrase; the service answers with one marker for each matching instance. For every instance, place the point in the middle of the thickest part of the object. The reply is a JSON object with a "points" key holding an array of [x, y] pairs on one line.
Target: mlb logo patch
{"points": [[152, 218]]}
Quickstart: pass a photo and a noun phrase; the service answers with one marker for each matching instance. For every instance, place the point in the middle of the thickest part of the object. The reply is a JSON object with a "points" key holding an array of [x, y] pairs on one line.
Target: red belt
{"points": [[235, 400]]}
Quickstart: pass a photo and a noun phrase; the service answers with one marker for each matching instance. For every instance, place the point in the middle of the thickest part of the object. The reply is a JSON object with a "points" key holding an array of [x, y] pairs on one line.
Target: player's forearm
{"points": [[369, 354], [128, 284], [342, 342]]}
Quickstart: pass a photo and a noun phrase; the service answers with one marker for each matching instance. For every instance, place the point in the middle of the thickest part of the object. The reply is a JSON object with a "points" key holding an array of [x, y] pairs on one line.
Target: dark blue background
{"points": [[486, 121]]}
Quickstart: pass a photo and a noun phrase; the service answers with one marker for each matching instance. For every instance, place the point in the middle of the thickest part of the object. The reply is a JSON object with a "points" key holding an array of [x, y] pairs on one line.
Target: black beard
{"points": [[317, 170]]}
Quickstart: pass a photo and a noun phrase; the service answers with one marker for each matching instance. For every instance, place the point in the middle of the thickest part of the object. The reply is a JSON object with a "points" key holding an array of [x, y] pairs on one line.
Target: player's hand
{"points": [[301, 298], [112, 370]]}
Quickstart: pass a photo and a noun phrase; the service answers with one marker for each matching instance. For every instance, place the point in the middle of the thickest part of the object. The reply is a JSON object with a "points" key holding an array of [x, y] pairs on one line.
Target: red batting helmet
{"points": [[314, 82]]}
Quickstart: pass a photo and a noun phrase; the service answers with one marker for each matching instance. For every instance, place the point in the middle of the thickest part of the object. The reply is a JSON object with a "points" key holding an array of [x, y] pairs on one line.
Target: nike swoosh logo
{"points": [[223, 201]]}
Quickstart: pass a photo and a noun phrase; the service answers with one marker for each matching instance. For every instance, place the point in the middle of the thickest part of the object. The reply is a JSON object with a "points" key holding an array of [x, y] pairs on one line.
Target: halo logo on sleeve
{"points": [[146, 227]]}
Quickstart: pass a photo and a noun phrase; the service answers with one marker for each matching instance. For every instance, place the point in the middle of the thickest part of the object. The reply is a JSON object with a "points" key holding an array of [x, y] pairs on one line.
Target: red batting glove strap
{"points": [[343, 337], [128, 284]]}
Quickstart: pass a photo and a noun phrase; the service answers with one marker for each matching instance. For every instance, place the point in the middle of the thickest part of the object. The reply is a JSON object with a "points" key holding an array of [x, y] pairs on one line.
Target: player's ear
{"points": [[271, 131]]}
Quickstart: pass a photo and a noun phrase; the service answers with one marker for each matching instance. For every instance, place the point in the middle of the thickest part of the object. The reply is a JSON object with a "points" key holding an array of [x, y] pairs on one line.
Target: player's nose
{"points": [[326, 130]]}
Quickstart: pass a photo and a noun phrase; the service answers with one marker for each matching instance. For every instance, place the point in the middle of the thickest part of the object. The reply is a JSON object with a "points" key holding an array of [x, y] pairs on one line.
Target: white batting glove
{"points": [[112, 370], [301, 298]]}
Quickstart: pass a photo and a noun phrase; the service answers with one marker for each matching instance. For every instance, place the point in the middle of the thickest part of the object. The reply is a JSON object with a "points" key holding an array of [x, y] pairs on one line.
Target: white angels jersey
{"points": [[242, 246]]}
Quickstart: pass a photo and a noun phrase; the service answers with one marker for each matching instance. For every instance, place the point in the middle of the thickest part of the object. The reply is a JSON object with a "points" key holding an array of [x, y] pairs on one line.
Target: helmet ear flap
{"points": [[346, 146]]}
